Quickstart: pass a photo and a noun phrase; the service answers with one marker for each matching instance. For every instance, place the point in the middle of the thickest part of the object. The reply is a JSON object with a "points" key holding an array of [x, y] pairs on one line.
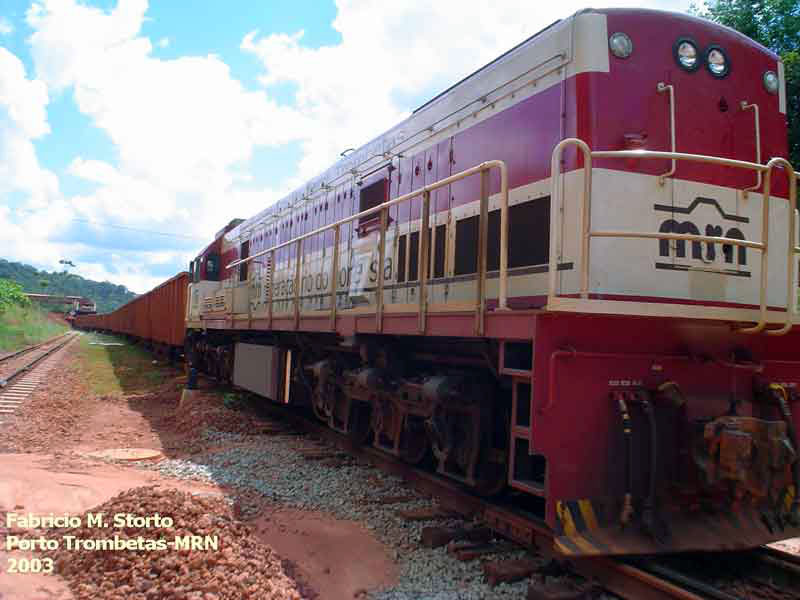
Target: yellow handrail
{"points": [[425, 191], [588, 233]]}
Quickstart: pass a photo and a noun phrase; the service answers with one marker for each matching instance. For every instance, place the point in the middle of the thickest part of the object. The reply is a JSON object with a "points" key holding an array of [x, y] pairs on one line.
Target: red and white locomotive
{"points": [[569, 278]]}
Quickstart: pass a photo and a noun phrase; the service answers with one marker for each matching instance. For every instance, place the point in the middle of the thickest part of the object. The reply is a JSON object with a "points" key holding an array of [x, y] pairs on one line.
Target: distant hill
{"points": [[107, 295]]}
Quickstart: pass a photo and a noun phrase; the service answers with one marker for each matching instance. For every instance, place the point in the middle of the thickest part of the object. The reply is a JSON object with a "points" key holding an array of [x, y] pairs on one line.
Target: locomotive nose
{"points": [[736, 489]]}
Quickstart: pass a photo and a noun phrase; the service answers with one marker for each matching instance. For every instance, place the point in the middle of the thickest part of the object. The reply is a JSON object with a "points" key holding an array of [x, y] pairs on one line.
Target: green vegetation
{"points": [[776, 25], [234, 400], [11, 295], [119, 367], [108, 296], [20, 323]]}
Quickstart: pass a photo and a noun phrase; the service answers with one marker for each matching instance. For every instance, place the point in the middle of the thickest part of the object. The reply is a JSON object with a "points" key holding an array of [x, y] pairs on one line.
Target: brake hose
{"points": [[627, 508]]}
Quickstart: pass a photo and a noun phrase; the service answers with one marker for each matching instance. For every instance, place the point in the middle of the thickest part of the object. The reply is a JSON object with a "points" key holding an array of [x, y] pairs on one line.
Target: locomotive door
{"points": [[367, 233]]}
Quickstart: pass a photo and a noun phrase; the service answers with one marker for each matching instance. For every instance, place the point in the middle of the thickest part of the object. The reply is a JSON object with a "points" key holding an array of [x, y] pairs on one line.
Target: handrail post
{"points": [[271, 274], [381, 260], [586, 221], [483, 231], [502, 301], [762, 323], [335, 274], [754, 107], [555, 212], [298, 259], [423, 260], [791, 271], [663, 87]]}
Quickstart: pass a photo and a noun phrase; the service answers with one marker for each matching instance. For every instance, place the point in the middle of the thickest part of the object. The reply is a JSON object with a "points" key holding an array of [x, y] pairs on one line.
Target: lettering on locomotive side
{"points": [[353, 278], [707, 254]]}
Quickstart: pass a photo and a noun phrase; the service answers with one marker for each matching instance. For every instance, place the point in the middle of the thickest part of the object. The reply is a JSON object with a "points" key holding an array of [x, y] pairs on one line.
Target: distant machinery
{"points": [[74, 305]]}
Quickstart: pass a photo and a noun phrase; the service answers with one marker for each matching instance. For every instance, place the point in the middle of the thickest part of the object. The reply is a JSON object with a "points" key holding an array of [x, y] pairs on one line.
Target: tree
{"points": [[776, 25], [11, 294]]}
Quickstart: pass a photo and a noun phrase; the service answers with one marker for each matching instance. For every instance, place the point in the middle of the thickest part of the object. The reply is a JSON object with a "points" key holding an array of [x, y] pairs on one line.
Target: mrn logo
{"points": [[714, 258]]}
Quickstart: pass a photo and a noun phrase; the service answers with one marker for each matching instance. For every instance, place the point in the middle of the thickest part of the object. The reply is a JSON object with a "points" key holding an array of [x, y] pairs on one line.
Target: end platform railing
{"points": [[587, 233]]}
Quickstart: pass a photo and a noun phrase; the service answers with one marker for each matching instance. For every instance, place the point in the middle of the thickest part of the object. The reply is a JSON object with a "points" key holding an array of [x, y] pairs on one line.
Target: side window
{"points": [[212, 267], [528, 234], [528, 238], [372, 196], [413, 256], [466, 258], [401, 259], [439, 251]]}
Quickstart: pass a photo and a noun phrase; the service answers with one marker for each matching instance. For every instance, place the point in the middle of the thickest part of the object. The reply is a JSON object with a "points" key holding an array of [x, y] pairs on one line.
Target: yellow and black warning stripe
{"points": [[592, 527], [577, 520]]}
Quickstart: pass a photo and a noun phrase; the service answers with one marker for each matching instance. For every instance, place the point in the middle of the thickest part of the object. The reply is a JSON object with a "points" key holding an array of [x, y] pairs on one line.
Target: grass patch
{"points": [[22, 326], [119, 369]]}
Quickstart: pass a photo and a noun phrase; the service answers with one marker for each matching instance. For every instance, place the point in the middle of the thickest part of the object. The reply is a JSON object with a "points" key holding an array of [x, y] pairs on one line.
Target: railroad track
{"points": [[21, 374], [759, 574], [6, 358]]}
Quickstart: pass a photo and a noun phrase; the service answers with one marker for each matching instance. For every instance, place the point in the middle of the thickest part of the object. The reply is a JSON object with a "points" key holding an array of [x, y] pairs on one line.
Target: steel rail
{"points": [[31, 365], [21, 351], [627, 580], [690, 583]]}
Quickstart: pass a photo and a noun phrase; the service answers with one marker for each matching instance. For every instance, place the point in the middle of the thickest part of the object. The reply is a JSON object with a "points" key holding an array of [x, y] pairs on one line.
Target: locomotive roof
{"points": [[377, 153], [364, 156]]}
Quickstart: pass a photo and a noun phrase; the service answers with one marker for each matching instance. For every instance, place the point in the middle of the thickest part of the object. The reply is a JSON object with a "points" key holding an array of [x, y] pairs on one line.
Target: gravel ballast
{"points": [[242, 567], [272, 467]]}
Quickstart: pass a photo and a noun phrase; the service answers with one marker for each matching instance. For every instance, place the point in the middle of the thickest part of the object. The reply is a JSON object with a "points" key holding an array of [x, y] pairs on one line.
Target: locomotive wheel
{"points": [[492, 475], [414, 442], [319, 411], [360, 423]]}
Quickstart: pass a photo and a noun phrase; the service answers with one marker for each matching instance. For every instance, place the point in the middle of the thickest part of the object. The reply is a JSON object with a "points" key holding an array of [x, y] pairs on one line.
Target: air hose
{"points": [[627, 508]]}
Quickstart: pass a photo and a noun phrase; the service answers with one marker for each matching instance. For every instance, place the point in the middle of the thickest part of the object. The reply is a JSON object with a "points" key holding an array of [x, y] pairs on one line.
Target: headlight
{"points": [[620, 45], [686, 54], [771, 82], [717, 61]]}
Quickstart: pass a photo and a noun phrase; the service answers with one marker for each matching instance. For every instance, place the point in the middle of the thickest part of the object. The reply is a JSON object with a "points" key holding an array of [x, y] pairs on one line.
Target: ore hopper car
{"points": [[157, 318], [569, 279]]}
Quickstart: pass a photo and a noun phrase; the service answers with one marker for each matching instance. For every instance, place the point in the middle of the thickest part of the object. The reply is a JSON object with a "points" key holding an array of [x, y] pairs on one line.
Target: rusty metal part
{"points": [[782, 397], [749, 456]]}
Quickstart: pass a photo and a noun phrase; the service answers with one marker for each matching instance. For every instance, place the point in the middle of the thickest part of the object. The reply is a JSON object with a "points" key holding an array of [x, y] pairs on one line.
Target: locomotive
{"points": [[569, 280]]}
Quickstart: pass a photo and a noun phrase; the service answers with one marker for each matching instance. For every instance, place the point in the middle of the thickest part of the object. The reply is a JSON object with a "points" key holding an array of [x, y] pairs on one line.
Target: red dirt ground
{"points": [[43, 469]]}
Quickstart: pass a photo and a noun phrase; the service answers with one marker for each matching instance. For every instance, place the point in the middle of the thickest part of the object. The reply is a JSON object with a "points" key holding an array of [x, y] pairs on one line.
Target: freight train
{"points": [[569, 279]]}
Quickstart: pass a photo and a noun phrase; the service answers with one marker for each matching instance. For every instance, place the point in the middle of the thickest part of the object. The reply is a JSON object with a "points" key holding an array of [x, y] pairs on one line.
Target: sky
{"points": [[132, 130]]}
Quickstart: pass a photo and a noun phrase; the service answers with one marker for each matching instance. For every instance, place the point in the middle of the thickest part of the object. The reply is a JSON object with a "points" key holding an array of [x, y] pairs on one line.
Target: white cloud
{"points": [[182, 128], [183, 123], [6, 28], [23, 119], [349, 89], [163, 42]]}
